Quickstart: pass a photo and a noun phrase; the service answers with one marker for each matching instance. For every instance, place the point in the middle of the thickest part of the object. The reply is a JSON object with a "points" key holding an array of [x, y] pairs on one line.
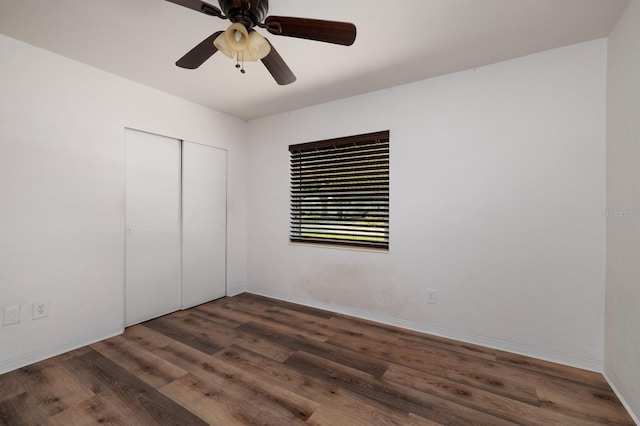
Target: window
{"points": [[340, 191]]}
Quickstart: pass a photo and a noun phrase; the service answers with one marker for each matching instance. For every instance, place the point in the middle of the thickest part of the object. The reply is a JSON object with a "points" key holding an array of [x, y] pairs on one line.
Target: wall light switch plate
{"points": [[40, 310], [11, 315]]}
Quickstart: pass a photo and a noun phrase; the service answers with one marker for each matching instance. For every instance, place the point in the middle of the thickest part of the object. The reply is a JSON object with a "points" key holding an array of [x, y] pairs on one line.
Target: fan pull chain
{"points": [[238, 62], [246, 5]]}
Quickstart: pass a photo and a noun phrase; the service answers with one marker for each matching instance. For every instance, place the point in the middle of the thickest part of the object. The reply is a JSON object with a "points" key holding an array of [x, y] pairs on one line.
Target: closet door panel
{"points": [[204, 207], [152, 212]]}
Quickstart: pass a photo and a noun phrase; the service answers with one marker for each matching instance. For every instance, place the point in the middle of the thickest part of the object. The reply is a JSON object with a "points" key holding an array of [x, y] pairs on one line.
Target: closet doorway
{"points": [[175, 213]]}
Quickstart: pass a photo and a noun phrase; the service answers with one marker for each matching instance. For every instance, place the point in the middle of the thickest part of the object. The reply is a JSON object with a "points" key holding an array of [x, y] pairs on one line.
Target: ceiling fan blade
{"points": [[312, 29], [278, 68], [203, 51], [200, 6]]}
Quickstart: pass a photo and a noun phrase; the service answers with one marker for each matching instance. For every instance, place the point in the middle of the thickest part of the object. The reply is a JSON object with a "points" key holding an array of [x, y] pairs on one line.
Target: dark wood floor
{"points": [[253, 360]]}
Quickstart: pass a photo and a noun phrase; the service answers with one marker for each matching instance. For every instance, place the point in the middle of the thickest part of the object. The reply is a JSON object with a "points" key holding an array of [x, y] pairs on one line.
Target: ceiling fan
{"points": [[242, 42]]}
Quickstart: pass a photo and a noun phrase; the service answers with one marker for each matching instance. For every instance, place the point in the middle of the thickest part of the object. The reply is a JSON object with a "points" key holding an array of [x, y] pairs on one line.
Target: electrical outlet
{"points": [[432, 295], [40, 310], [11, 315]]}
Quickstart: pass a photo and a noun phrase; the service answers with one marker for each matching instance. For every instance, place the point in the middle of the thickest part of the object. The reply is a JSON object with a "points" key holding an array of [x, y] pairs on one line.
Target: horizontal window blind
{"points": [[340, 191]]}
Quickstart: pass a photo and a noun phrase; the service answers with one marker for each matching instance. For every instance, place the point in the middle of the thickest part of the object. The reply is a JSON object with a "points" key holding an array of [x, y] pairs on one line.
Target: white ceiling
{"points": [[398, 42]]}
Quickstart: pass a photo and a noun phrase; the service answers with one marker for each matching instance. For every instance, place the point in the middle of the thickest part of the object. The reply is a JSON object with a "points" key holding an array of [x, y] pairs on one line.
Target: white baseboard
{"points": [[42, 354], [517, 348], [235, 291], [633, 407]]}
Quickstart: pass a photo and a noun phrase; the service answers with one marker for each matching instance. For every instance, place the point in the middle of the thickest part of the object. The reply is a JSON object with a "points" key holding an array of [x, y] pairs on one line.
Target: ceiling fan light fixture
{"points": [[237, 37], [258, 47], [221, 44], [240, 41]]}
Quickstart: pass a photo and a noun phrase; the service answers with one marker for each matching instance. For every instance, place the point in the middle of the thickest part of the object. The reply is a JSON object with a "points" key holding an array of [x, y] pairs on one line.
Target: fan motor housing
{"points": [[248, 13]]}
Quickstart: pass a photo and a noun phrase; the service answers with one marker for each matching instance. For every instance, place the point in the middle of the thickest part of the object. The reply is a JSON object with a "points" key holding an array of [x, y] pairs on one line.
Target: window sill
{"points": [[339, 247]]}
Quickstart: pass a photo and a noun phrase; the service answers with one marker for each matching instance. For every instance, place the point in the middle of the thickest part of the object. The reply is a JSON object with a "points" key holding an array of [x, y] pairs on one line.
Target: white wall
{"points": [[497, 200], [62, 193], [622, 321]]}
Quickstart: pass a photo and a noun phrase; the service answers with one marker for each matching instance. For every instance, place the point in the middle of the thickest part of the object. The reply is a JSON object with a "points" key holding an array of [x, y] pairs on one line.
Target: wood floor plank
{"points": [[248, 399], [386, 333], [267, 315], [223, 404], [193, 338], [207, 330], [139, 402], [13, 411], [592, 404], [288, 321], [485, 375], [10, 386], [451, 365], [143, 364], [211, 312], [146, 338], [323, 392], [215, 369], [266, 347], [283, 399], [224, 311], [348, 357], [497, 405], [287, 305], [553, 369], [249, 360], [223, 336], [93, 411], [347, 408], [333, 410], [394, 396], [209, 402], [420, 421], [279, 373], [52, 387]]}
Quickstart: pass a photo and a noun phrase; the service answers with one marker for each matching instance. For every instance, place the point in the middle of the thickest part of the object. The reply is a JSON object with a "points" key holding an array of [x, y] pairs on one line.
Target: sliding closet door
{"points": [[152, 269], [204, 207]]}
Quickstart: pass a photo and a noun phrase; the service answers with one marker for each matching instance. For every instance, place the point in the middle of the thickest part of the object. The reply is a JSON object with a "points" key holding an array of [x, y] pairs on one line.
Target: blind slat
{"points": [[340, 191], [344, 141]]}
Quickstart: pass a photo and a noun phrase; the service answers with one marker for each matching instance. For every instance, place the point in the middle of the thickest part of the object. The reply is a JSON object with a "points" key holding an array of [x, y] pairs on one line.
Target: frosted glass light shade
{"points": [[237, 37], [237, 42], [221, 43], [258, 47]]}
